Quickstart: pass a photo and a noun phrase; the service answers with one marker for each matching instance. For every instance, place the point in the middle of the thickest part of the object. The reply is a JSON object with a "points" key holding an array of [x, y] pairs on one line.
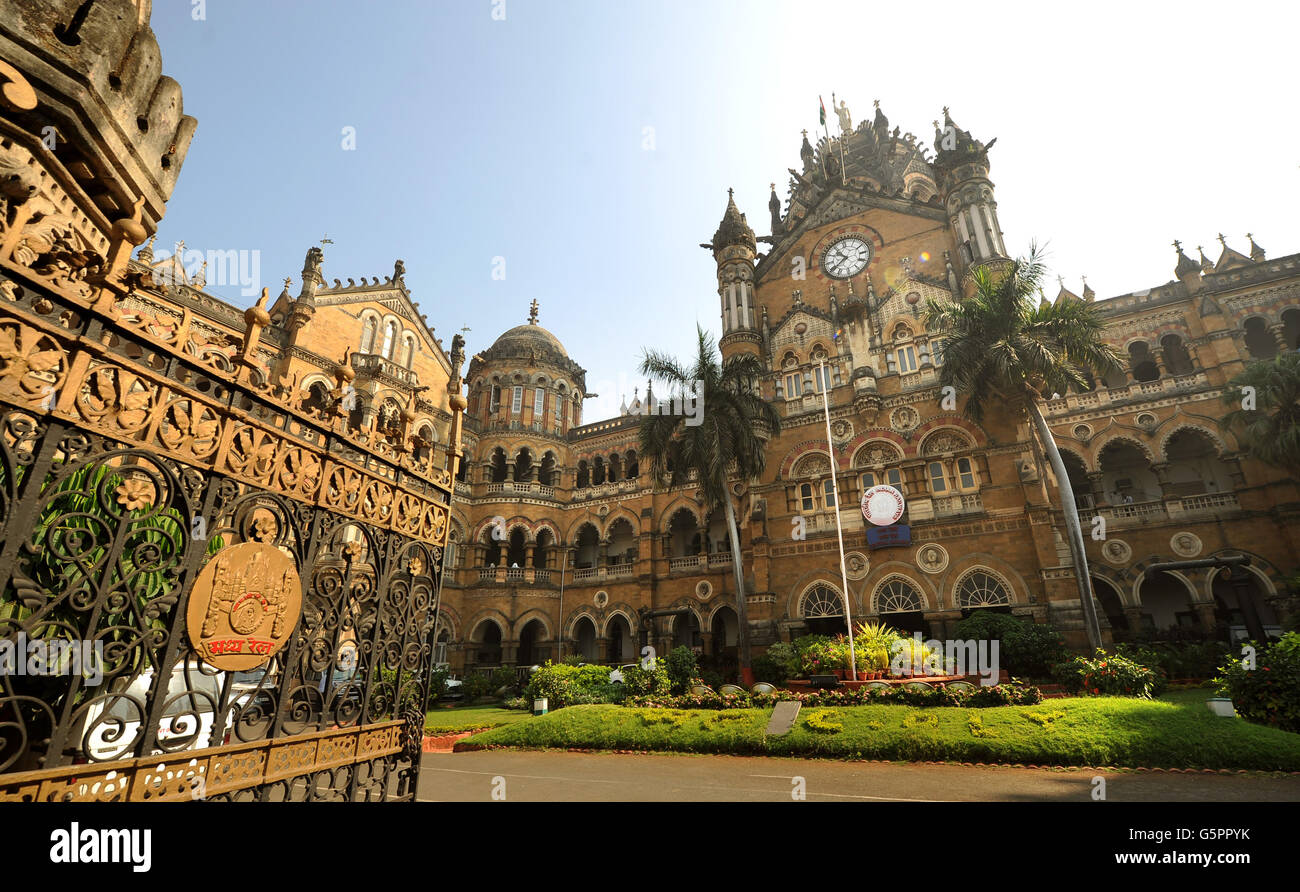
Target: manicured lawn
{"points": [[470, 718], [1177, 731]]}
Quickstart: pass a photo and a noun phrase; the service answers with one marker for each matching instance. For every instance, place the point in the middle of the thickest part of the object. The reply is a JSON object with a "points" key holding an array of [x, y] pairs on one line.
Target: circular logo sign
{"points": [[882, 505], [244, 606]]}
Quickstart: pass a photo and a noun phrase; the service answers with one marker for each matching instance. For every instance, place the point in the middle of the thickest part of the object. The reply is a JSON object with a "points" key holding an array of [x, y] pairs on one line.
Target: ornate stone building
{"points": [[564, 540]]}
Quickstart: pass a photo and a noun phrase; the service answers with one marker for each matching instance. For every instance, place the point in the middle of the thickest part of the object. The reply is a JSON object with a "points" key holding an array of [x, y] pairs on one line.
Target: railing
{"points": [[1106, 395], [969, 503], [1205, 503], [584, 573], [621, 569], [372, 364], [690, 562], [515, 573], [519, 486]]}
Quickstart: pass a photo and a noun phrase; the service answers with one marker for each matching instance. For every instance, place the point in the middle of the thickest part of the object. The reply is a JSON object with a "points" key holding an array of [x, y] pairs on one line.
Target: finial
{"points": [[288, 280], [773, 185], [1222, 240], [730, 194], [1178, 246], [875, 103], [1060, 280], [805, 133], [945, 111], [532, 312]]}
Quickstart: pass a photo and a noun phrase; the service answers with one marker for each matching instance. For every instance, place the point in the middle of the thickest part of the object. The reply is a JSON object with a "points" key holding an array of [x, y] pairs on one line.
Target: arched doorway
{"points": [[1237, 591], [1111, 604], [619, 633], [487, 643], [898, 602], [1166, 605], [686, 631], [530, 638], [584, 638]]}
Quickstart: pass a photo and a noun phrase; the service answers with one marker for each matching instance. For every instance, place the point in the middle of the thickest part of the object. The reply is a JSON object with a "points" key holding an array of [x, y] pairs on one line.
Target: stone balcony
{"points": [[519, 487], [1138, 390], [372, 365], [1174, 510]]}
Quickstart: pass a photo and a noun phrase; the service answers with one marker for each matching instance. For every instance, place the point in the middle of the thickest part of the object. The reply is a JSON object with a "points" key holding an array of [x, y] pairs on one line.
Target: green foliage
{"points": [[1270, 430], [574, 660], [682, 668], [1179, 659], [1268, 694], [1109, 675], [994, 695], [1004, 344], [563, 685], [438, 683], [503, 677], [821, 722], [1026, 649], [641, 682], [779, 663], [517, 703], [476, 686]]}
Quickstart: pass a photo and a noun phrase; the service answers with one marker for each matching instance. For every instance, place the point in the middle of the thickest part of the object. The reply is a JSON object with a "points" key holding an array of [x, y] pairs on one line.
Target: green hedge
{"points": [[1269, 692], [994, 695], [1109, 674], [1026, 649]]}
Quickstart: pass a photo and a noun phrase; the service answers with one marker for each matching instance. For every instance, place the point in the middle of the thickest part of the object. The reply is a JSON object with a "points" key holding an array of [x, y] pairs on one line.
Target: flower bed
{"points": [[996, 695]]}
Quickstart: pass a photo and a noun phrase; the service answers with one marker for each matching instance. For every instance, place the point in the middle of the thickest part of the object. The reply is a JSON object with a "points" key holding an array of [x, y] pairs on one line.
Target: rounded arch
{"points": [[1122, 440], [484, 618], [820, 598], [621, 513], [682, 504], [945, 439], [811, 464], [982, 586], [876, 451], [898, 593], [1179, 426], [533, 614], [1166, 599], [622, 610]]}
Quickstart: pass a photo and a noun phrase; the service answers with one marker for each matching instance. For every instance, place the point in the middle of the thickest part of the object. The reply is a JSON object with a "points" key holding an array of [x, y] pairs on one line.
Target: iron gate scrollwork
{"points": [[126, 464]]}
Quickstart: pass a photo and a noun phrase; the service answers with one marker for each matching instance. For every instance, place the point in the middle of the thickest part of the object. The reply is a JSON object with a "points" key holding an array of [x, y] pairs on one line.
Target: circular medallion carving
{"points": [[932, 558], [244, 606], [904, 418], [841, 429], [1186, 544], [1116, 551], [703, 589], [1082, 432], [857, 564], [600, 599]]}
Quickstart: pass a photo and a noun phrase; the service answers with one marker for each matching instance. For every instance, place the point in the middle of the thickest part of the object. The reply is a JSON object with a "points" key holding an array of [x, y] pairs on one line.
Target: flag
{"points": [[822, 103]]}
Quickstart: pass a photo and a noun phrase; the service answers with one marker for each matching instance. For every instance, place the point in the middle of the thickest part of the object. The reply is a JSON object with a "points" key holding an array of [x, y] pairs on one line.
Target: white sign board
{"points": [[882, 505]]}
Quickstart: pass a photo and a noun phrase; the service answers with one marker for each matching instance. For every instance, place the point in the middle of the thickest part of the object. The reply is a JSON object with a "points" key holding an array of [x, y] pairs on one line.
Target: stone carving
{"points": [[945, 442], [857, 565], [932, 558], [841, 429], [1186, 544], [876, 455], [1117, 551], [904, 418]]}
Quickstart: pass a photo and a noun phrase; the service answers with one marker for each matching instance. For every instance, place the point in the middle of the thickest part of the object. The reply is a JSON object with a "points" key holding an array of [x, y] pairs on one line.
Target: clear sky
{"points": [[1120, 127]]}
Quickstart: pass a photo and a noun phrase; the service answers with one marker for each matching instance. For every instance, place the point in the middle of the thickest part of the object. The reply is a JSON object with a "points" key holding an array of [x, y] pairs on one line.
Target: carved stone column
{"points": [[1097, 484], [1279, 335], [1161, 470]]}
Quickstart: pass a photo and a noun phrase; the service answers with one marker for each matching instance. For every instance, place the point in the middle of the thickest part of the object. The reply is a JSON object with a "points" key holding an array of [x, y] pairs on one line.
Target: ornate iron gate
{"points": [[128, 460]]}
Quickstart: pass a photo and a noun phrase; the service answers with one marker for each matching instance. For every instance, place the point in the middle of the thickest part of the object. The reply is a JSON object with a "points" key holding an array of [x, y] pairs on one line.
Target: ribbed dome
{"points": [[530, 337]]}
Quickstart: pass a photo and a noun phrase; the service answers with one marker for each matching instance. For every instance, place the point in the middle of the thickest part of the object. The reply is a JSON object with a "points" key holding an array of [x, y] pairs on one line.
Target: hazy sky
{"points": [[1120, 127]]}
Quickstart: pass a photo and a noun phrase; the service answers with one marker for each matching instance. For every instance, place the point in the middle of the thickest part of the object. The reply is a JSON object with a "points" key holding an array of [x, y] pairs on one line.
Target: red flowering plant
{"points": [[1264, 682], [1109, 674]]}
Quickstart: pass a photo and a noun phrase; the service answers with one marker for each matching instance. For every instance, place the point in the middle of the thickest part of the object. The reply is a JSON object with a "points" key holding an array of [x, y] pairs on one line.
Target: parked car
{"points": [[113, 725]]}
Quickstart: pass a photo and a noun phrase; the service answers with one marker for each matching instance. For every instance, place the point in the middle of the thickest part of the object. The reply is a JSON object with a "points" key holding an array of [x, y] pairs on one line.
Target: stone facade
{"points": [[564, 543]]}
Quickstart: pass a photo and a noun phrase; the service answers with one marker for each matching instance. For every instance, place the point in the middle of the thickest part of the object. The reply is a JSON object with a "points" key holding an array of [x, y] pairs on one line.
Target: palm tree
{"points": [[1271, 426], [1000, 345], [725, 438]]}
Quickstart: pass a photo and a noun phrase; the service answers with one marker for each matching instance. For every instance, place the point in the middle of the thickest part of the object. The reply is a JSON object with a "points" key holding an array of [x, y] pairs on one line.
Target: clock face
{"points": [[846, 257]]}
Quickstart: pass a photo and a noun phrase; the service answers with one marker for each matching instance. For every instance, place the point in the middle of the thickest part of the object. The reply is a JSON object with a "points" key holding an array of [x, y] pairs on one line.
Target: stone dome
{"points": [[528, 337]]}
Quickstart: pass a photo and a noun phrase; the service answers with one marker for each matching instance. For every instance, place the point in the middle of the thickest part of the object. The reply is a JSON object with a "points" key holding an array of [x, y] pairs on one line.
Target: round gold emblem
{"points": [[244, 606]]}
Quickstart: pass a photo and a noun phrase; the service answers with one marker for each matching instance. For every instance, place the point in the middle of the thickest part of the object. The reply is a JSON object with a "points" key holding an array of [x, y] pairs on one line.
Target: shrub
{"points": [[574, 660], [1268, 694], [641, 682], [476, 686], [682, 668], [1025, 648], [995, 695], [1111, 675], [778, 663], [1180, 659], [810, 654], [438, 683], [565, 685], [504, 677], [517, 703]]}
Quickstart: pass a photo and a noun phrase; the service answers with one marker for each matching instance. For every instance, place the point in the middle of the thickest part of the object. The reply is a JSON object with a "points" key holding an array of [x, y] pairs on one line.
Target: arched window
{"points": [[897, 595], [368, 335], [818, 491], [980, 588], [390, 337], [409, 359], [822, 610]]}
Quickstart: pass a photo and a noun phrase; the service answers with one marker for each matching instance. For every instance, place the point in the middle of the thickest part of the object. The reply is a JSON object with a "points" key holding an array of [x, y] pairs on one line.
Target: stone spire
{"points": [[734, 229], [1256, 252], [1185, 266], [774, 208], [1207, 266]]}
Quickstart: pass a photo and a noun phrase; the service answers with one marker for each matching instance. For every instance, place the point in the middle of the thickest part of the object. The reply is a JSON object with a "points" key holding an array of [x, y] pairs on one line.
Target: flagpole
{"points": [[839, 529], [822, 115]]}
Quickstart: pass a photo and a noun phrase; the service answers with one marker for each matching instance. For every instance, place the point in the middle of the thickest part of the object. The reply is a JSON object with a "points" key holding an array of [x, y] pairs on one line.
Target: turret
{"points": [[962, 164], [734, 249]]}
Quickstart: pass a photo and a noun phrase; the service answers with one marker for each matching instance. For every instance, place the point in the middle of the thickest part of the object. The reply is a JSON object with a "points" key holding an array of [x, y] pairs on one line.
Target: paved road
{"points": [[529, 776]]}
